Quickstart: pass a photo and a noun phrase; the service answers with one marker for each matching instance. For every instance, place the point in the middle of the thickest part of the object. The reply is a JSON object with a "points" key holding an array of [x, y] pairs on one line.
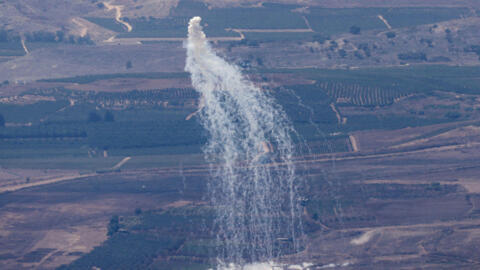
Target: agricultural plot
{"points": [[323, 21], [51, 130], [23, 148], [169, 27], [11, 49], [411, 79], [406, 17], [58, 160], [74, 135], [156, 118], [32, 112], [150, 235], [336, 21], [85, 79], [388, 122], [367, 98], [343, 200], [146, 134], [305, 103], [361, 95], [268, 17], [61, 129], [216, 21]]}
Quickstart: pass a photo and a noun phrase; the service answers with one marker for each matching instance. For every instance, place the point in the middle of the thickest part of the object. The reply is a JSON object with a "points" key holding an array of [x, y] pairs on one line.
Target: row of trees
{"points": [[8, 36], [412, 56], [95, 117], [44, 36], [474, 49], [362, 95], [57, 37]]}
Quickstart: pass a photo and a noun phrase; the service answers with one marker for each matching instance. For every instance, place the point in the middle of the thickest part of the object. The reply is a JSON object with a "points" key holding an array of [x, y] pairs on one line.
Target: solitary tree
{"points": [[129, 65], [113, 226], [3, 35], [60, 35], [320, 38], [391, 34], [109, 117], [94, 117], [355, 30]]}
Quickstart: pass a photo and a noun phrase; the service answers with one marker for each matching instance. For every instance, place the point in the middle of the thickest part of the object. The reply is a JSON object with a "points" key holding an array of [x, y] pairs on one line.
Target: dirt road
{"points": [[337, 114], [206, 169], [132, 41], [401, 153], [353, 142], [307, 23], [45, 182], [240, 31], [322, 158], [83, 27], [410, 226], [299, 30], [24, 47], [121, 163], [59, 179], [118, 15], [385, 22]]}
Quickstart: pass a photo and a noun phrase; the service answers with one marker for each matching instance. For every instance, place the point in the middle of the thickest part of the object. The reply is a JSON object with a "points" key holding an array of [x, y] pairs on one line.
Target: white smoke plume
{"points": [[266, 266], [253, 185]]}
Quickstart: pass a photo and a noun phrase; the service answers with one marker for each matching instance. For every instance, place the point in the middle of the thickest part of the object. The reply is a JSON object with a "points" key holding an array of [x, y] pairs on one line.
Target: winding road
{"points": [[118, 15]]}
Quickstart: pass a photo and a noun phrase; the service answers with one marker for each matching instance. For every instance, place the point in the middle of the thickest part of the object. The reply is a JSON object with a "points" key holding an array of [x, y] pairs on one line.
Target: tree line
{"points": [[9, 36]]}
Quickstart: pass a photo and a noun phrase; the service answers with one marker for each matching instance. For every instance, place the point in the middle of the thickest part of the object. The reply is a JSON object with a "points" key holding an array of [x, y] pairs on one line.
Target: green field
{"points": [[31, 113], [149, 236], [324, 21], [411, 79], [62, 136], [92, 78], [59, 131], [406, 17], [11, 49], [215, 20], [380, 87], [336, 21]]}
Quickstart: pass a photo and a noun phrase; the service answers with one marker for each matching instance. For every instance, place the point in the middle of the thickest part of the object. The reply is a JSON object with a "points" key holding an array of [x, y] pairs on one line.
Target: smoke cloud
{"points": [[253, 186]]}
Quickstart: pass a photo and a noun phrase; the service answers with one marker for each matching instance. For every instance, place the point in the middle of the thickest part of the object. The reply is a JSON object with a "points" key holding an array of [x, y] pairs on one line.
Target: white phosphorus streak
{"points": [[254, 191]]}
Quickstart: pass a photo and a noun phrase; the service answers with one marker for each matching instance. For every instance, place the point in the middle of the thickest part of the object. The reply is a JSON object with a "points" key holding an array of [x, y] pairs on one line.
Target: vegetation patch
{"points": [[85, 79], [139, 241]]}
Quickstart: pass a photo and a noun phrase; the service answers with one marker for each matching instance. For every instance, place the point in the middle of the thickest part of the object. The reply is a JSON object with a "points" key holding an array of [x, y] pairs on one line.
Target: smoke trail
{"points": [[253, 185]]}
